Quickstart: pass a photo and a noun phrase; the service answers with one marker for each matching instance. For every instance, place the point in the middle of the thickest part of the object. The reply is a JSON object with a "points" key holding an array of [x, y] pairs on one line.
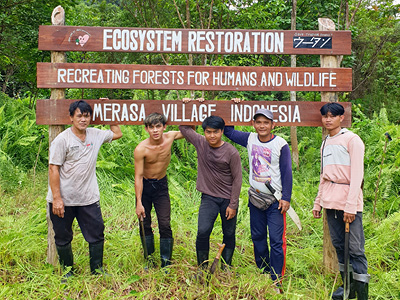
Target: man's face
{"points": [[331, 122], [263, 126], [80, 121], [156, 130], [213, 136]]}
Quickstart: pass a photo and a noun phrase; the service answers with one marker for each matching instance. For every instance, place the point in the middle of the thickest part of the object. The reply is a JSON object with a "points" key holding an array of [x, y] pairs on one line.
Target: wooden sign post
{"points": [[58, 75], [57, 18], [330, 61], [129, 112], [210, 78], [200, 41]]}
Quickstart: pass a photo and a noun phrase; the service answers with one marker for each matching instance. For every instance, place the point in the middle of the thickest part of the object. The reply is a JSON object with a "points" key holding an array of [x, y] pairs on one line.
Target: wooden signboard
{"points": [[133, 112], [210, 41], [221, 78]]}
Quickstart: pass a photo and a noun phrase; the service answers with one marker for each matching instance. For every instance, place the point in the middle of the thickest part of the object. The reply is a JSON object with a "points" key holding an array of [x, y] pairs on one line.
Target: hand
{"points": [[230, 213], [283, 206], [140, 211], [236, 100], [58, 208], [348, 218], [187, 100], [316, 214]]}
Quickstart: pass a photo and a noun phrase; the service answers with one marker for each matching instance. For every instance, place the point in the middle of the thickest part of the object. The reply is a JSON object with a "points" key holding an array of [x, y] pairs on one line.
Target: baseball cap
{"points": [[264, 112]]}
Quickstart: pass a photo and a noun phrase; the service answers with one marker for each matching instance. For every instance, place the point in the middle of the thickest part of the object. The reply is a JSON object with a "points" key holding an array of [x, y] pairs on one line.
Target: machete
{"points": [[143, 238], [292, 214], [216, 259], [346, 280]]}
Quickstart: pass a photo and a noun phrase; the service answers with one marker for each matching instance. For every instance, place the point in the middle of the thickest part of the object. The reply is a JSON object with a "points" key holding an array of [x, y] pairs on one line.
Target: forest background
{"points": [[375, 60]]}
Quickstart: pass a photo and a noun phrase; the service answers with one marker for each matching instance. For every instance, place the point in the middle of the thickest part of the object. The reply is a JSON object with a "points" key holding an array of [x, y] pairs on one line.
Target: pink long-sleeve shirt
{"points": [[342, 160]]}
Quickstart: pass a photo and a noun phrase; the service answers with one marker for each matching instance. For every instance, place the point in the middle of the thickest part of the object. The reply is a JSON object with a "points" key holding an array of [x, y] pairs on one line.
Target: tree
{"points": [[19, 23]]}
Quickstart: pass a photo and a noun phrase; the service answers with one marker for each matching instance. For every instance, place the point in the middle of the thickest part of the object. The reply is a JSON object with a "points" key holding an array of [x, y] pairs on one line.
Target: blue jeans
{"points": [[209, 209], [269, 222]]}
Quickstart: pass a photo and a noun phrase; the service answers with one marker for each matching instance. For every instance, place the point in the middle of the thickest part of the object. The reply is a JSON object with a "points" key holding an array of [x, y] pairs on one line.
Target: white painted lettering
{"points": [[106, 110], [115, 110], [107, 34], [191, 41], [97, 112]]}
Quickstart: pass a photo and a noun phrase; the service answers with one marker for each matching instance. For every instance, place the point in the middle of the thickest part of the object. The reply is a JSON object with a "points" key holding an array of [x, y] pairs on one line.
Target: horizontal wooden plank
{"points": [[162, 77], [133, 112], [211, 41]]}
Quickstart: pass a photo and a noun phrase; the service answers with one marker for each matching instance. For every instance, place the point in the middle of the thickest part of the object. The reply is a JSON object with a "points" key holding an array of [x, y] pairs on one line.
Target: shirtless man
{"points": [[152, 157]]}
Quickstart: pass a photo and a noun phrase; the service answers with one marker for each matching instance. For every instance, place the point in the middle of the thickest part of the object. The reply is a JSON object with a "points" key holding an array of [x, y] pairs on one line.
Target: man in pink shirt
{"points": [[340, 193]]}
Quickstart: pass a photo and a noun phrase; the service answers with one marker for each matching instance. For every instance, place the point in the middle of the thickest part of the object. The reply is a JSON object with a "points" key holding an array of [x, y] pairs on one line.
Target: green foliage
{"points": [[376, 62], [19, 24], [20, 137], [372, 131], [22, 142]]}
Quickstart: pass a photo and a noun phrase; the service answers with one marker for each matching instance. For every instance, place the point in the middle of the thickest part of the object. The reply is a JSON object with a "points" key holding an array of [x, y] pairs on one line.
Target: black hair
{"points": [[83, 106], [334, 108], [154, 119], [213, 122]]}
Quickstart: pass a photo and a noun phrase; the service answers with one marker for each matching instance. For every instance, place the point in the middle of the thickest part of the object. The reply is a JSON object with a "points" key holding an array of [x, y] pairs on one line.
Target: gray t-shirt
{"points": [[77, 161], [219, 170]]}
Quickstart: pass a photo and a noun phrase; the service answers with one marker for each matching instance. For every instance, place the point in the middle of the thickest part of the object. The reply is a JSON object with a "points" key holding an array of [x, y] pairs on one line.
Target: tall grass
{"points": [[24, 273]]}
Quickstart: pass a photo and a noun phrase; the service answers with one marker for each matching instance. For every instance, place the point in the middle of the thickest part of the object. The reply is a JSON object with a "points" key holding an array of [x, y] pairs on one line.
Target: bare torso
{"points": [[156, 157]]}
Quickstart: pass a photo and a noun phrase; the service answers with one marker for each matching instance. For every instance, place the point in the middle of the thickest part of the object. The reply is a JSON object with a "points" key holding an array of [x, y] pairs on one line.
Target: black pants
{"points": [[155, 192], [356, 240], [210, 207], [89, 219]]}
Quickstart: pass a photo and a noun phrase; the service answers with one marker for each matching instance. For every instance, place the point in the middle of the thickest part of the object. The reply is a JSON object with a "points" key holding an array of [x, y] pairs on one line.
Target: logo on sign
{"points": [[79, 37]]}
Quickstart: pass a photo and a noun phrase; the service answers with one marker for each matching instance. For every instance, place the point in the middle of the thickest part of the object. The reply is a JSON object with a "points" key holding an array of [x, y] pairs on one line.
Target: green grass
{"points": [[24, 273]]}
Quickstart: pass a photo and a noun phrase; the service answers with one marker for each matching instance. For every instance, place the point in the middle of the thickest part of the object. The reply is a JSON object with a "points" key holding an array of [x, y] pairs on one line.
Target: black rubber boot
{"points": [[66, 259], [202, 259], [149, 244], [166, 246], [96, 258], [361, 290], [338, 294], [227, 255], [150, 263], [202, 262]]}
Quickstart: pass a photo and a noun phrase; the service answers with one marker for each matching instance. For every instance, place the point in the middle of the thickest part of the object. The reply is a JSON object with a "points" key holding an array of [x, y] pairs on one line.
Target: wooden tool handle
{"points": [[221, 248], [347, 228]]}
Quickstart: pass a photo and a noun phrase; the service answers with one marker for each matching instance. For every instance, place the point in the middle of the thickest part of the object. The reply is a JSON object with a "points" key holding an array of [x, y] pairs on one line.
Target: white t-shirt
{"points": [[264, 163], [77, 161]]}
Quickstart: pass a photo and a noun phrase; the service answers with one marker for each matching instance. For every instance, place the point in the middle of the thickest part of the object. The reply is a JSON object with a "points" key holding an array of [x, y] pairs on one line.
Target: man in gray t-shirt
{"points": [[73, 191]]}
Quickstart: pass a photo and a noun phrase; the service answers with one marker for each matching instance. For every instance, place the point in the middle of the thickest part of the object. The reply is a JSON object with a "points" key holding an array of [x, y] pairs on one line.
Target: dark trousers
{"points": [[356, 239], [272, 223], [210, 207], [89, 219], [155, 192]]}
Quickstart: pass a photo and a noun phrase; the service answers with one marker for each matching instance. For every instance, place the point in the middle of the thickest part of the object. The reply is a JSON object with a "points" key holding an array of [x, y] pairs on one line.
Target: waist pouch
{"points": [[260, 200]]}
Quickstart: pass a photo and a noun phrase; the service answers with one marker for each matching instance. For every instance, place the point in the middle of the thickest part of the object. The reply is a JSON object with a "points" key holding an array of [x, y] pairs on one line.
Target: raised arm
{"points": [[176, 135], [54, 181], [190, 134], [238, 137], [117, 131], [139, 169]]}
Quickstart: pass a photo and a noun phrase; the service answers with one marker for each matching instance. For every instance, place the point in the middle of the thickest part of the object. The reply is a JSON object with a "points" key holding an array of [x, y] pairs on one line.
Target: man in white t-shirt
{"points": [[73, 190]]}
